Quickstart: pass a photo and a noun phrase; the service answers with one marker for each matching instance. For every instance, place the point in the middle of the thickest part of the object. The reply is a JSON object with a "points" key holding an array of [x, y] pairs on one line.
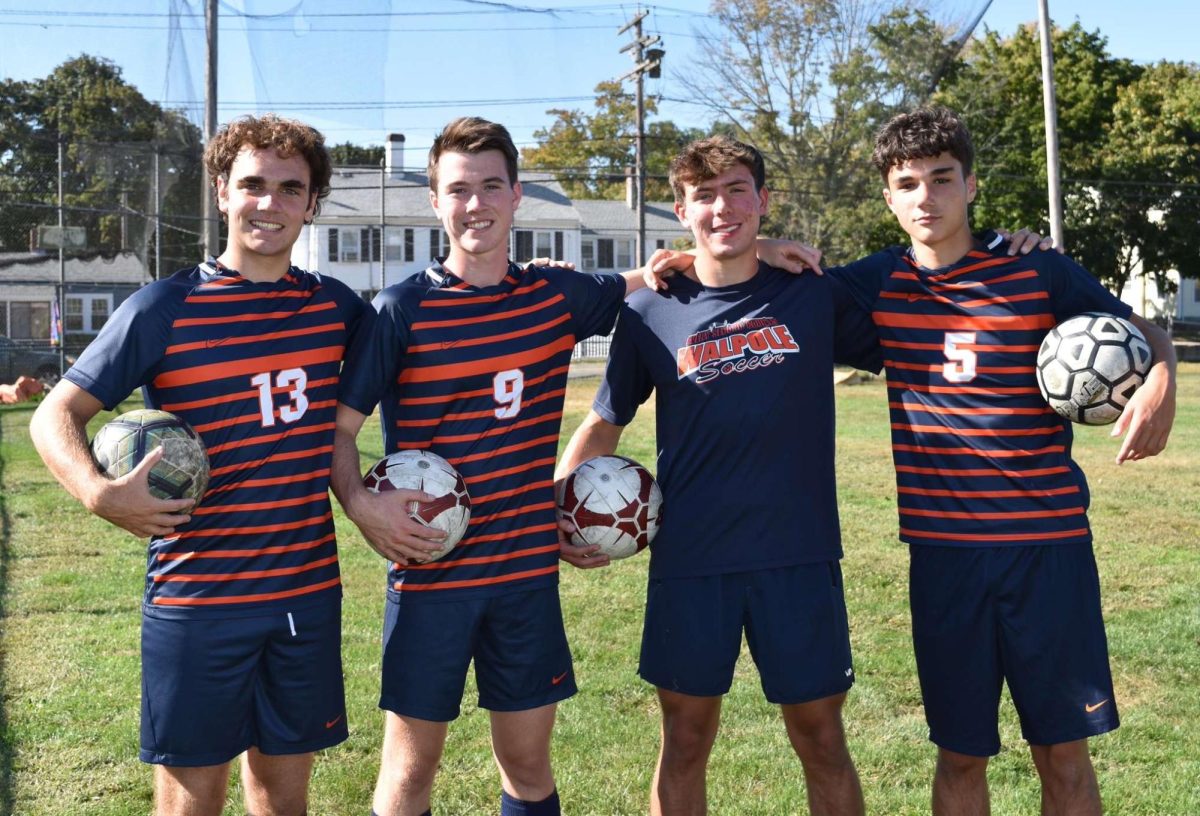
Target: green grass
{"points": [[69, 650]]}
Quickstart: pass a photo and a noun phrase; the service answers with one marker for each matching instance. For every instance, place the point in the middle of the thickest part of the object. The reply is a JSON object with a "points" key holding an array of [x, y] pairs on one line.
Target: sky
{"points": [[360, 69]]}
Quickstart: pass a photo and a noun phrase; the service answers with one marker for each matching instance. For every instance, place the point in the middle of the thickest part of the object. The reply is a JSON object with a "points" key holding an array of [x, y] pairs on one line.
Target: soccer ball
{"points": [[421, 470], [121, 444], [613, 502], [1089, 366]]}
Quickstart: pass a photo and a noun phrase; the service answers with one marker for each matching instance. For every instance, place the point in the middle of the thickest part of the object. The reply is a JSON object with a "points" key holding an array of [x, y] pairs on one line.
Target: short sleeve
{"points": [[1073, 289], [627, 382], [129, 349], [593, 299], [374, 353], [855, 336]]}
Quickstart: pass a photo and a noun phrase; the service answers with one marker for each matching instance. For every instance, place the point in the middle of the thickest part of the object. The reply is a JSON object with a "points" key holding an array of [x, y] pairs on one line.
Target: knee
{"points": [[1066, 769], [961, 767], [525, 769], [687, 742]]}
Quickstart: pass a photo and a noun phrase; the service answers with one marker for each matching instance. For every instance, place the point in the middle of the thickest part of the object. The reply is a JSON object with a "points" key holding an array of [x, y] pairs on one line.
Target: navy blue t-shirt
{"points": [[981, 459], [743, 378]]}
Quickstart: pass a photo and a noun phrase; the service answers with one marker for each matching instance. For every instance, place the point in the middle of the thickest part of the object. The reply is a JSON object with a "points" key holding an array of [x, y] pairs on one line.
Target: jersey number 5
{"points": [[960, 359], [293, 381]]}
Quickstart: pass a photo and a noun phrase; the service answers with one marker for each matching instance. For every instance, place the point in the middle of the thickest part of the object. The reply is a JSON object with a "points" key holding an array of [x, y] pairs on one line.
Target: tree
{"points": [[110, 134], [589, 153], [352, 155], [808, 82]]}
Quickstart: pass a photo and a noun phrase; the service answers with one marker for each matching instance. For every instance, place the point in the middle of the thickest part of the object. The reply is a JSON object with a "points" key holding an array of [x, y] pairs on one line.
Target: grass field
{"points": [[69, 650]]}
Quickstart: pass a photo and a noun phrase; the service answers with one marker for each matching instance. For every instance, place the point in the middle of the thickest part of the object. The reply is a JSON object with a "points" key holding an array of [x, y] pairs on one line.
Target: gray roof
{"points": [[617, 216], [36, 267]]}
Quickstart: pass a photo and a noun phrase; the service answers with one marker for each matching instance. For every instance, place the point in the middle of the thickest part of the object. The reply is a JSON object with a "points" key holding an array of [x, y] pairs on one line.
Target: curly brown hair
{"points": [[287, 136], [706, 159], [470, 135], [922, 134]]}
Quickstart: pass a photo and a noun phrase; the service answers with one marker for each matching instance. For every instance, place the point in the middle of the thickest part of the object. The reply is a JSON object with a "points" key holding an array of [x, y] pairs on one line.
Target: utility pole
{"points": [[645, 62], [1051, 112], [211, 228], [157, 210], [58, 316]]}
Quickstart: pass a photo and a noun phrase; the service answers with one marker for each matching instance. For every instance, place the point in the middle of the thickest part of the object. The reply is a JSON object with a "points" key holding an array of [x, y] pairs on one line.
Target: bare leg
{"points": [[1069, 786], [960, 785], [412, 749], [190, 791], [816, 734], [276, 785], [521, 746], [689, 729]]}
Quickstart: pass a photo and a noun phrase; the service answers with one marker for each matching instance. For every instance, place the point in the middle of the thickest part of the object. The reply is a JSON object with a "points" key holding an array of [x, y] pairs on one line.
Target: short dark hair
{"points": [[470, 135], [706, 159], [288, 137], [922, 134]]}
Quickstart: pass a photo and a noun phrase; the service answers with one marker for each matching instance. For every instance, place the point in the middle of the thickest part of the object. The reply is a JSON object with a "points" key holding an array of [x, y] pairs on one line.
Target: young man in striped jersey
{"points": [[1003, 582], [469, 360], [242, 612]]}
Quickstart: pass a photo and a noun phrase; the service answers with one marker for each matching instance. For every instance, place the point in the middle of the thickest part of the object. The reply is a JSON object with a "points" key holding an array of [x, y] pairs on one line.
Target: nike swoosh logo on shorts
{"points": [[554, 681], [1090, 707], [334, 721]]}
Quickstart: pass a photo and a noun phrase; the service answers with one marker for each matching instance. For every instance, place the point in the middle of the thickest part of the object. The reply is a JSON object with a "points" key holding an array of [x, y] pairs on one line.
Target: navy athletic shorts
{"points": [[211, 688], [517, 641], [1025, 615], [795, 624]]}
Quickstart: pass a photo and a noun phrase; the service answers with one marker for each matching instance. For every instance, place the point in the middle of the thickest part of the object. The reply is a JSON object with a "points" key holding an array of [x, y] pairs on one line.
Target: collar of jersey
{"points": [[443, 278]]}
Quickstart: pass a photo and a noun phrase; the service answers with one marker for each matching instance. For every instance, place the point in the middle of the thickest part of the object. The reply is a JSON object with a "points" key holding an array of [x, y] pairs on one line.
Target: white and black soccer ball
{"points": [[450, 509], [1089, 366], [121, 444], [614, 503]]}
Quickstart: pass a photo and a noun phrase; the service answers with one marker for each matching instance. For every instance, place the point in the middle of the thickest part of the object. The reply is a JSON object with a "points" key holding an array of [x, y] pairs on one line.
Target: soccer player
{"points": [[1003, 582], [242, 611], [740, 360]]}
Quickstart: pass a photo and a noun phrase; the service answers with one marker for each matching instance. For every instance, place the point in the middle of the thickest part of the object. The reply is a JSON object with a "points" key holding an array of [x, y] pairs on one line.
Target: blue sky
{"points": [[361, 77]]}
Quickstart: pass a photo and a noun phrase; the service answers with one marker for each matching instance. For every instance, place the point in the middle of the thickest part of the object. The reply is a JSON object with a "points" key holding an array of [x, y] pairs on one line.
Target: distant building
{"points": [[346, 240]]}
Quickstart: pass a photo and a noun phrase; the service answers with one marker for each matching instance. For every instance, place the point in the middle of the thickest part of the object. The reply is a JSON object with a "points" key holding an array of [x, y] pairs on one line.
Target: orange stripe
{"points": [[239, 508], [250, 318], [428, 423], [966, 270], [500, 431], [960, 389], [483, 559], [252, 365], [256, 338], [990, 537], [274, 457], [964, 322], [249, 419], [467, 301], [458, 371], [941, 409], [297, 478], [972, 346], [1000, 300], [987, 494], [262, 528], [247, 296], [1032, 514], [537, 528], [552, 439], [1012, 474], [516, 491], [499, 579], [249, 575], [277, 550], [259, 440], [486, 318], [936, 368], [998, 454], [421, 348], [232, 599], [942, 429], [518, 511], [250, 393], [479, 392]]}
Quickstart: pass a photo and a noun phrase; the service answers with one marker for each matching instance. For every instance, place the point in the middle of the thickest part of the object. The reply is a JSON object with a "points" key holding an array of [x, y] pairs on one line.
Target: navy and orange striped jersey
{"points": [[254, 368], [981, 460], [478, 375]]}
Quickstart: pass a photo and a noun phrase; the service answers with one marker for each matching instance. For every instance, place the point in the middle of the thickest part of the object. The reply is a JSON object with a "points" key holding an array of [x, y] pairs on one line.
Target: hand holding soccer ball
{"points": [[612, 503], [450, 507]]}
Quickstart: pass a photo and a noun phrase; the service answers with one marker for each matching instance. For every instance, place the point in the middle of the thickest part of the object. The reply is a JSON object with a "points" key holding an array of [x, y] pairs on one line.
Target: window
{"points": [[624, 254], [523, 251], [86, 313], [409, 244], [587, 253], [350, 243], [439, 244], [530, 244], [661, 243], [333, 244], [29, 320], [399, 246], [604, 253]]}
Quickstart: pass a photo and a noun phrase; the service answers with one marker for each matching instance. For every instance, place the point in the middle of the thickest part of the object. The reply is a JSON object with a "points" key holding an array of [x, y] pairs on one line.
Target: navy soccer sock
{"points": [[512, 806]]}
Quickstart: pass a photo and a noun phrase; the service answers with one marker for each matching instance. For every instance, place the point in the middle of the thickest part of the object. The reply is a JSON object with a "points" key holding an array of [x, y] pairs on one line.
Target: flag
{"points": [[55, 324]]}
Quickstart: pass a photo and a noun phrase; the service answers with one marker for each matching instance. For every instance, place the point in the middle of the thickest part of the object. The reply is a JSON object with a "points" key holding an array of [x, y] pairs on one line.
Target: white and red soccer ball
{"points": [[1089, 366], [614, 503], [450, 509]]}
